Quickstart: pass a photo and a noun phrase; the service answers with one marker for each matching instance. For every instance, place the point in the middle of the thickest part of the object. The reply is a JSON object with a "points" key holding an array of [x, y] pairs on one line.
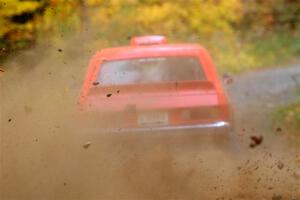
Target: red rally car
{"points": [[151, 85]]}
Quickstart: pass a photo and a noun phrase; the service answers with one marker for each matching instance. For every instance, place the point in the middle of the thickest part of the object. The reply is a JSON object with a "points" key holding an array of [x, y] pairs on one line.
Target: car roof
{"points": [[150, 50]]}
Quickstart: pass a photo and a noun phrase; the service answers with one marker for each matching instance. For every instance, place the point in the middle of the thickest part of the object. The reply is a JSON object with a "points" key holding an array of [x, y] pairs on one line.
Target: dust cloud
{"points": [[47, 154]]}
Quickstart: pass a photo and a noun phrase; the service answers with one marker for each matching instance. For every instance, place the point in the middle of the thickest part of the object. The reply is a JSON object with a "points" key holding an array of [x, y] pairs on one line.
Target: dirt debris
{"points": [[87, 145], [280, 165], [277, 197], [279, 129], [96, 83], [256, 141]]}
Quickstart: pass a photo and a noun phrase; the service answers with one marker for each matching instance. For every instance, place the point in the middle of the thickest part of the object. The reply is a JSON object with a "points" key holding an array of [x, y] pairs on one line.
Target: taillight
{"points": [[201, 113]]}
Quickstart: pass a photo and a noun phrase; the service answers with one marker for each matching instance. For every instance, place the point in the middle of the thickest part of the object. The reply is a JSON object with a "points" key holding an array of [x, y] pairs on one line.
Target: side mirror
{"points": [[227, 79]]}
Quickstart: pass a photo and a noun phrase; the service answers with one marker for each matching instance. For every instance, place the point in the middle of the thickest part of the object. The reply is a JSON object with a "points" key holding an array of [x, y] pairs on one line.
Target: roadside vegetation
{"points": [[287, 122], [242, 35]]}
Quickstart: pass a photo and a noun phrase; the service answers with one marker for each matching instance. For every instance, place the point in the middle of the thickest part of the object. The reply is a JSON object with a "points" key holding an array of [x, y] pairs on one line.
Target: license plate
{"points": [[153, 119]]}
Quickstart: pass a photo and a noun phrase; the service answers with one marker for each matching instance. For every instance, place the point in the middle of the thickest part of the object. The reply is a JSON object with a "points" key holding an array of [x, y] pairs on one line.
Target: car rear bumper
{"points": [[198, 135], [216, 127]]}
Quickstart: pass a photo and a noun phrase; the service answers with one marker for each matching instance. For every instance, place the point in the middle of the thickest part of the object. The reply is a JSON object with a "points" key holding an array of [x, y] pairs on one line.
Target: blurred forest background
{"points": [[241, 34]]}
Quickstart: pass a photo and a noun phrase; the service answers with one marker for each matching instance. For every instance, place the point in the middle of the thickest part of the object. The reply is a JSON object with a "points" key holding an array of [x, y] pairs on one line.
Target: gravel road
{"points": [[255, 95]]}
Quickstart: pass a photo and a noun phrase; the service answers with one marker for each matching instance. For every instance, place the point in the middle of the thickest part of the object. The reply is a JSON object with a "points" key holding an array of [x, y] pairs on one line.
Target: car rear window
{"points": [[150, 70]]}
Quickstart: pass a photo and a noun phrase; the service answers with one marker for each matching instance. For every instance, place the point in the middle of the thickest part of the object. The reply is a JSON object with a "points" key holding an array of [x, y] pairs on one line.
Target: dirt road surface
{"points": [[256, 94], [45, 156]]}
